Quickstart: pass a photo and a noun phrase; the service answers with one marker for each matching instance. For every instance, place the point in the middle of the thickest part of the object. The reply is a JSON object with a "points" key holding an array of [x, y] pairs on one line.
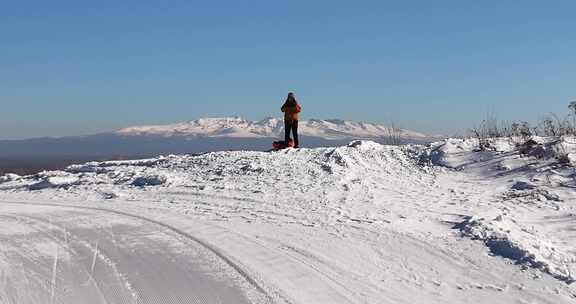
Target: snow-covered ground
{"points": [[58, 254], [363, 223]]}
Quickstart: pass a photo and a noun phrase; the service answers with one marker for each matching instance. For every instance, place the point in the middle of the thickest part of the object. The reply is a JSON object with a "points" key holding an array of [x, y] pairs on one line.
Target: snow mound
{"points": [[364, 145], [525, 209], [459, 152], [9, 177], [103, 167], [305, 168], [53, 180], [504, 239]]}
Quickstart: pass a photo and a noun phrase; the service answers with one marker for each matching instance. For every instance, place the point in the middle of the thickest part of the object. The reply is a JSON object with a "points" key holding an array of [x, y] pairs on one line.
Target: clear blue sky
{"points": [[79, 67]]}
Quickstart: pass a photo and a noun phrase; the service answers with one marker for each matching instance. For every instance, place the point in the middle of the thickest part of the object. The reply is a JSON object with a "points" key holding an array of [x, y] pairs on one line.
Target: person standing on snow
{"points": [[291, 110]]}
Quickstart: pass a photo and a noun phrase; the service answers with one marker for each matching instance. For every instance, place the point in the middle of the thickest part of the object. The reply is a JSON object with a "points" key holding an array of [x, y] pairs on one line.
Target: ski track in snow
{"points": [[364, 223], [113, 257]]}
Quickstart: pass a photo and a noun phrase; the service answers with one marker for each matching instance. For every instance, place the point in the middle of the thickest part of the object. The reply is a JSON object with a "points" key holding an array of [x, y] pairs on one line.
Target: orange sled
{"points": [[278, 145]]}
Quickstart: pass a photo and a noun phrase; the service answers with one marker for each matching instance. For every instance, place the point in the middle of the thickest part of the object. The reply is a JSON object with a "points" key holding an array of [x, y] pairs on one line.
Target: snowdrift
{"points": [[526, 216], [311, 165]]}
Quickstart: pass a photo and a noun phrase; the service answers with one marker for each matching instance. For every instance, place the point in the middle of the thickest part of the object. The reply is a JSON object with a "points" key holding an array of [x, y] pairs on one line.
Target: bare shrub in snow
{"points": [[481, 133], [492, 125], [522, 136], [572, 107], [490, 128], [555, 126], [549, 128], [393, 135], [524, 131]]}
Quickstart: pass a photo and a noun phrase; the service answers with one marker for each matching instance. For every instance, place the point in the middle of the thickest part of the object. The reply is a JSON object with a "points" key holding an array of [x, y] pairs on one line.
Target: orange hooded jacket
{"points": [[291, 111]]}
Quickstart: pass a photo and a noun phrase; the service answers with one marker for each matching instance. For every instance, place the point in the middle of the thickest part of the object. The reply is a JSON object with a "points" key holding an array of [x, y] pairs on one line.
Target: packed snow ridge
{"points": [[270, 127], [441, 223]]}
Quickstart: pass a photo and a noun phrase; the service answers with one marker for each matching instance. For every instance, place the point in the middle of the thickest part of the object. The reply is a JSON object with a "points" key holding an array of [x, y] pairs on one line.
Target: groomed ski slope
{"points": [[363, 223]]}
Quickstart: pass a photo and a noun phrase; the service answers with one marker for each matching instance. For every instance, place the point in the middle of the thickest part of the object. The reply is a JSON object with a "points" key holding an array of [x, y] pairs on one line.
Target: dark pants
{"points": [[291, 126]]}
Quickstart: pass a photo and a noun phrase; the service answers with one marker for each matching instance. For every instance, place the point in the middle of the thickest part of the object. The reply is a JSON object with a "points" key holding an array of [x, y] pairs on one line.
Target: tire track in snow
{"points": [[97, 255], [243, 273], [65, 244]]}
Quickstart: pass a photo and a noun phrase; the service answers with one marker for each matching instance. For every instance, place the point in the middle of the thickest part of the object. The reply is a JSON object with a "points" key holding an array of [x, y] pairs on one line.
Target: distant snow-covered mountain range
{"points": [[236, 127], [197, 136]]}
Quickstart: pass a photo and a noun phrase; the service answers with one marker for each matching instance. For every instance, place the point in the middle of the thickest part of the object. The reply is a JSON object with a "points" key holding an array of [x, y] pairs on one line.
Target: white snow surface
{"points": [[333, 129], [363, 223]]}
